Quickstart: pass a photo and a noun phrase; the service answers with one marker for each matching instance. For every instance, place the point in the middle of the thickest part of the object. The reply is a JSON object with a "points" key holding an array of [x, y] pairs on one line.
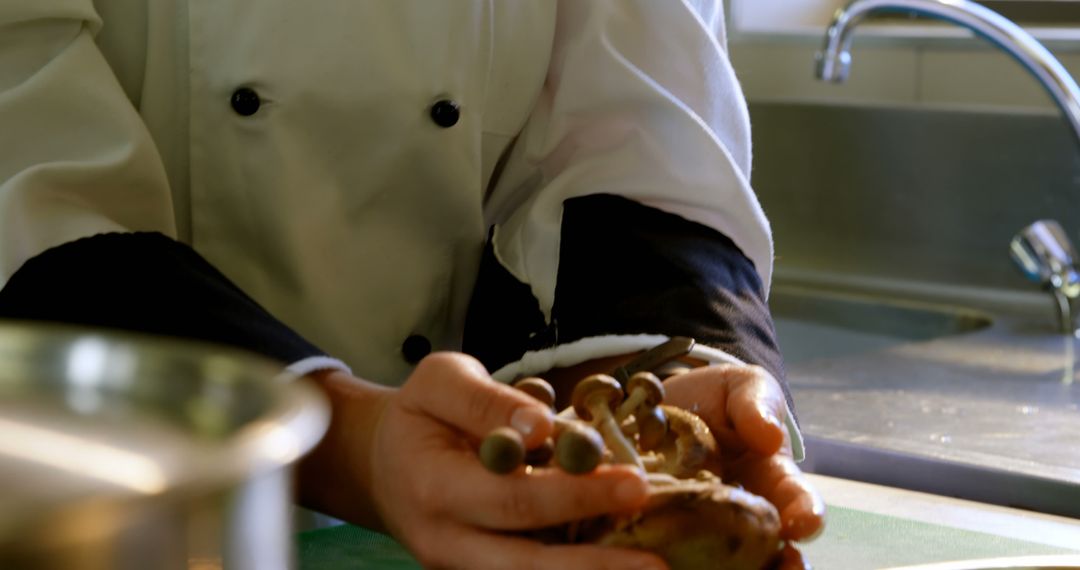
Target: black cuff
{"points": [[146, 282], [625, 268]]}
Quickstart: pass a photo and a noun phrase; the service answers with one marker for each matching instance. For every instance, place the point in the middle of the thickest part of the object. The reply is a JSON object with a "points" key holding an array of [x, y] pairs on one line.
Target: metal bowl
{"points": [[121, 451]]}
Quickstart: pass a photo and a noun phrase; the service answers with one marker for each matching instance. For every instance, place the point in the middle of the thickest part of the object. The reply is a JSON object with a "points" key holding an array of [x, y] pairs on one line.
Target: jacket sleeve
{"points": [[630, 217], [77, 159], [86, 218]]}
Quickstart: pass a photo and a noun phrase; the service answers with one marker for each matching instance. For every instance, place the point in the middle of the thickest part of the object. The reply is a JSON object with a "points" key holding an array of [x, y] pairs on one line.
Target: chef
{"points": [[364, 190]]}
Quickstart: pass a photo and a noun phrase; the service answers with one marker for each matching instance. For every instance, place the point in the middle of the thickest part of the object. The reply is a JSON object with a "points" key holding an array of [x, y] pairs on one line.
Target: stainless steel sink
{"points": [[891, 226], [813, 323], [949, 394]]}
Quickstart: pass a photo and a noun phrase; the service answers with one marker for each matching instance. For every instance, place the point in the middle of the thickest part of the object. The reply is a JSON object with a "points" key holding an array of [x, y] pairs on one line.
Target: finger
{"points": [[756, 405], [456, 389], [544, 497], [803, 517], [743, 408], [791, 558], [481, 550], [779, 480]]}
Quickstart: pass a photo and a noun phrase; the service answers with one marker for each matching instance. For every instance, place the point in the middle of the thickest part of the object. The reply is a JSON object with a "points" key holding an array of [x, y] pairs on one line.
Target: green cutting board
{"points": [[854, 540]]}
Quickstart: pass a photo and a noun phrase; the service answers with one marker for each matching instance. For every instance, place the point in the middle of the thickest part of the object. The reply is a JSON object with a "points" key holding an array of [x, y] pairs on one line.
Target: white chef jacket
{"points": [[339, 205]]}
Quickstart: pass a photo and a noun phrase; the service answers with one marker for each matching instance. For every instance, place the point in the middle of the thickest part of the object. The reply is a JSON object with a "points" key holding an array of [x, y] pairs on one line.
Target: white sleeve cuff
{"points": [[314, 364], [571, 353]]}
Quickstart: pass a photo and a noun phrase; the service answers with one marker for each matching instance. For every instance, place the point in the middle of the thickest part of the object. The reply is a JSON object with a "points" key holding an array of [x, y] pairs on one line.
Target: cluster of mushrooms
{"points": [[691, 519]]}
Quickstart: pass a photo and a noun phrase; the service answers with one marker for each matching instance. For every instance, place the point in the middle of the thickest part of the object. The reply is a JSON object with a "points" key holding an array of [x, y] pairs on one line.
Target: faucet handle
{"points": [[1045, 255]]}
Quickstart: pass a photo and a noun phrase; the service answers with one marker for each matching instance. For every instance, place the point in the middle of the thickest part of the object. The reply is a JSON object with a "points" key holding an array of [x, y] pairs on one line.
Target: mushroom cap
{"points": [[596, 387], [542, 454], [537, 388], [502, 451], [652, 428], [579, 448], [647, 381]]}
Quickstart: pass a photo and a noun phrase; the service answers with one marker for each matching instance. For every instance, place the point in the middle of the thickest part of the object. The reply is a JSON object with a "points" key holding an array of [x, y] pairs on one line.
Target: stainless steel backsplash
{"points": [[914, 194]]}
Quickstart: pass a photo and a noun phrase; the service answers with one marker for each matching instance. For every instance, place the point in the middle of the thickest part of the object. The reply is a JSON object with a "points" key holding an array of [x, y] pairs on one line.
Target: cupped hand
{"points": [[745, 409], [420, 471]]}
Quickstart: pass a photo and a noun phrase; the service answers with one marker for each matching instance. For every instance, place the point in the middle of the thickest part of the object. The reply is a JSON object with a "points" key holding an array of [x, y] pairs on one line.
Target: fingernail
{"points": [[770, 417], [527, 418], [804, 528], [631, 491]]}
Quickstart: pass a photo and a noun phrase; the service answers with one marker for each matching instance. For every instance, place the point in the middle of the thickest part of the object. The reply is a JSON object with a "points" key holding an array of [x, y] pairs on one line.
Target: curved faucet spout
{"points": [[834, 60]]}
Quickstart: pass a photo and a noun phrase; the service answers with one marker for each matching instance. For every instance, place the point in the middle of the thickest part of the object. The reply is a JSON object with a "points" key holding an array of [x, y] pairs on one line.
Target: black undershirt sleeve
{"points": [[146, 282]]}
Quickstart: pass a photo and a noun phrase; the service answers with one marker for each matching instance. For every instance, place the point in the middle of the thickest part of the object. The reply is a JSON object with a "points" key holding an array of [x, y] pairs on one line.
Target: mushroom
{"points": [[689, 446], [538, 388], [541, 454], [502, 451], [542, 392], [578, 447], [652, 428], [595, 399], [671, 371], [645, 391], [691, 519], [695, 524]]}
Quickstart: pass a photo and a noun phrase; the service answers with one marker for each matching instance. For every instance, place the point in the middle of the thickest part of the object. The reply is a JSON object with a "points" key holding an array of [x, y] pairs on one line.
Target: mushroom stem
{"points": [[562, 423], [631, 403], [620, 447], [645, 393], [652, 462], [662, 480]]}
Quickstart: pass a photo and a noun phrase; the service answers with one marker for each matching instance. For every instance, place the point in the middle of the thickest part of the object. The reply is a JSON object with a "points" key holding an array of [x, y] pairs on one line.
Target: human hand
{"points": [[745, 409], [417, 469]]}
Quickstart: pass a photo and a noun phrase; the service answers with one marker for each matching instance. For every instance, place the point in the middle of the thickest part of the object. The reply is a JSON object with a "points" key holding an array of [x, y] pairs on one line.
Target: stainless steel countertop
{"points": [[986, 415]]}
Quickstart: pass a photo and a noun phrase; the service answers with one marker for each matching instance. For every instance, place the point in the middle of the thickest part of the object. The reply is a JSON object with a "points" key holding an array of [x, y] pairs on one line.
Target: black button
{"points": [[245, 101], [445, 113], [415, 348]]}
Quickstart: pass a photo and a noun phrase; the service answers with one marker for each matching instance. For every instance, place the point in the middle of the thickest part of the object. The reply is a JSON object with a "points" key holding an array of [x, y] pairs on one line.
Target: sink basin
{"points": [[813, 324]]}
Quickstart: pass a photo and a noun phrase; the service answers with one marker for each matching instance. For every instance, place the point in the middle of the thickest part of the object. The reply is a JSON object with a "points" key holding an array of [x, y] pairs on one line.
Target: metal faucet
{"points": [[1045, 255], [1042, 250], [834, 60]]}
